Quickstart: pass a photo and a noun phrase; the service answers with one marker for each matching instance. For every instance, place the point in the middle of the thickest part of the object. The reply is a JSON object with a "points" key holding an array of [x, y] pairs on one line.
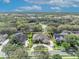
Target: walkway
{"points": [[2, 54]]}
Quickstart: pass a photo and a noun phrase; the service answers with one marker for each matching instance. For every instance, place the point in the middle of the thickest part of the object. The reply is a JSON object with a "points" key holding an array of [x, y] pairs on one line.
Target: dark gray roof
{"points": [[41, 38], [21, 37]]}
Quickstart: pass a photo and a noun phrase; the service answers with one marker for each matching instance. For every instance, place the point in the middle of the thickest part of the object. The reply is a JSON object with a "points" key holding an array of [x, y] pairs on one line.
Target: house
{"points": [[65, 32], [41, 38], [60, 36], [75, 32], [20, 37]]}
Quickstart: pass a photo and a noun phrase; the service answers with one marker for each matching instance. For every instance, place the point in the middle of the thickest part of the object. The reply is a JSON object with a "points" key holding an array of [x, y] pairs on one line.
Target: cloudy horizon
{"points": [[39, 5]]}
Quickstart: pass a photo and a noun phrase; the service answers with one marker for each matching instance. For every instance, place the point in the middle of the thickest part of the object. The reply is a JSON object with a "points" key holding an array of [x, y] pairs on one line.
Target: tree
{"points": [[22, 25], [70, 43], [40, 52], [71, 39], [15, 52], [68, 27], [19, 53], [30, 39], [77, 53], [56, 56], [51, 29], [9, 48], [66, 45], [37, 28]]}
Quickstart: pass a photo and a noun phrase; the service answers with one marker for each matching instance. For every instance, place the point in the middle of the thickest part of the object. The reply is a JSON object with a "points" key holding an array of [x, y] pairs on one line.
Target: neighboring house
{"points": [[60, 36], [20, 37], [65, 32], [70, 32], [75, 32]]}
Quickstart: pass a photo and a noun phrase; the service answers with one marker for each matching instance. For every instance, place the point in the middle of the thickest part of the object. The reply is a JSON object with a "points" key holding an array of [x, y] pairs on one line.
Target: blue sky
{"points": [[39, 5]]}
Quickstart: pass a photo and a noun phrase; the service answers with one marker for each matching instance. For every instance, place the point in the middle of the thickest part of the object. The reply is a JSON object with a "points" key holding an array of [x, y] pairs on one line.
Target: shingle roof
{"points": [[41, 38]]}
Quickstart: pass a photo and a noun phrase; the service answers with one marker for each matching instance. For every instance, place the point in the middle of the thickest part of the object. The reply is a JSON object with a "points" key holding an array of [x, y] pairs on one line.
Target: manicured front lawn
{"points": [[70, 57], [1, 58]]}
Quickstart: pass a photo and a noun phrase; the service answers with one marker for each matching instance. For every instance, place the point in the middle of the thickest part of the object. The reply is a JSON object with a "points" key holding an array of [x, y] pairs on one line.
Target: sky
{"points": [[39, 5]]}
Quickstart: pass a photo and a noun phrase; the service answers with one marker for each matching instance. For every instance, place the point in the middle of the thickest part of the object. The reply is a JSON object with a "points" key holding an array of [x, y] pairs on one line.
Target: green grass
{"points": [[62, 57], [71, 58], [1, 58]]}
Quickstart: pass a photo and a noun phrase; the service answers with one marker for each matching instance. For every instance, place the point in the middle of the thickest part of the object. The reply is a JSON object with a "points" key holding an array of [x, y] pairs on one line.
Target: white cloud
{"points": [[74, 5], [56, 8], [60, 3], [29, 8], [38, 1], [6, 1], [64, 3]]}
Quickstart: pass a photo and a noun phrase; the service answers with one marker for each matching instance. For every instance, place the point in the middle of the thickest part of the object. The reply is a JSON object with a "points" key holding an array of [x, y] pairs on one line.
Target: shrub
{"points": [[56, 56]]}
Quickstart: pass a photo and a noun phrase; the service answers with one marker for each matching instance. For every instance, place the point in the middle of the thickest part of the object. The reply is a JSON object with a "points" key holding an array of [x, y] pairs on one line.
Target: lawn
{"points": [[1, 58], [70, 58]]}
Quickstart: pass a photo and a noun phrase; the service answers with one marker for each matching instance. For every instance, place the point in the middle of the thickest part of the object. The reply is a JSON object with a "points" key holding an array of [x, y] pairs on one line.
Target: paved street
{"points": [[57, 52]]}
